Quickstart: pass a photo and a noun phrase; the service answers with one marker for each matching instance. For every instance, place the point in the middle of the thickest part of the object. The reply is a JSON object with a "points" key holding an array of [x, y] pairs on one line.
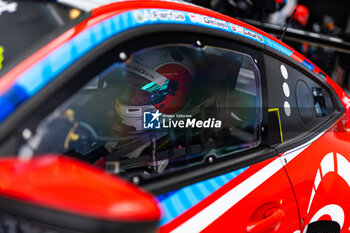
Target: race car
{"points": [[162, 116]]}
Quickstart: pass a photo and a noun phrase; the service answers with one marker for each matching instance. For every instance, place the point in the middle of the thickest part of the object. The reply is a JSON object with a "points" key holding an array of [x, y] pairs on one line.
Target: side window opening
{"points": [[166, 108], [298, 104]]}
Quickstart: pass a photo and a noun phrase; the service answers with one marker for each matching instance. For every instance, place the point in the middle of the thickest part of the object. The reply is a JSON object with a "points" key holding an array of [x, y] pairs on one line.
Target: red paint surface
{"points": [[89, 191], [69, 185], [332, 189], [238, 217]]}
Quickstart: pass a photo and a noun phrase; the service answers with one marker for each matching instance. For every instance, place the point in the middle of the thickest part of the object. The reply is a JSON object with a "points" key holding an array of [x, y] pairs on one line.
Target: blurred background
{"points": [[318, 29]]}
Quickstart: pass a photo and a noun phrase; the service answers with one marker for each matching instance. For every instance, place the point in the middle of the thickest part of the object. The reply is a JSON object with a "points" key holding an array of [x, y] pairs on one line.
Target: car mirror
{"points": [[61, 194]]}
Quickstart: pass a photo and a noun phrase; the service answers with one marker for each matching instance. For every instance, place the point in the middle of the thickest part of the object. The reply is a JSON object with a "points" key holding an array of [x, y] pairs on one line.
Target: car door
{"points": [[315, 149], [181, 114]]}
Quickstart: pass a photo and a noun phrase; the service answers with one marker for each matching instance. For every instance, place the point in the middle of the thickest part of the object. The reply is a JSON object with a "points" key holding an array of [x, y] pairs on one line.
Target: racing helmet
{"points": [[164, 87], [301, 15], [178, 89]]}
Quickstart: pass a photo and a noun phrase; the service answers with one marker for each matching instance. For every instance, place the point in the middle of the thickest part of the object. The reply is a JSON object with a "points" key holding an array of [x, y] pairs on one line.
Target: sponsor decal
{"points": [[246, 32], [153, 15], [7, 7], [155, 120], [208, 21], [169, 16], [36, 77]]}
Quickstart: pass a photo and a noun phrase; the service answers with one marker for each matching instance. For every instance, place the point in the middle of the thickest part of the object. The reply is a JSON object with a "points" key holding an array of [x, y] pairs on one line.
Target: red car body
{"points": [[305, 183]]}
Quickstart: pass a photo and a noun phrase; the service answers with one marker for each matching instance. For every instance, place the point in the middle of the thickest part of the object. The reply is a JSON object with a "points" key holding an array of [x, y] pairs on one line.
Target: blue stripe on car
{"points": [[43, 72], [308, 65], [175, 203]]}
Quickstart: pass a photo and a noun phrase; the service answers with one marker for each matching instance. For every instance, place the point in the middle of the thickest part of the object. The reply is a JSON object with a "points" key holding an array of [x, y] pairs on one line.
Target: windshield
{"points": [[25, 23], [166, 108]]}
